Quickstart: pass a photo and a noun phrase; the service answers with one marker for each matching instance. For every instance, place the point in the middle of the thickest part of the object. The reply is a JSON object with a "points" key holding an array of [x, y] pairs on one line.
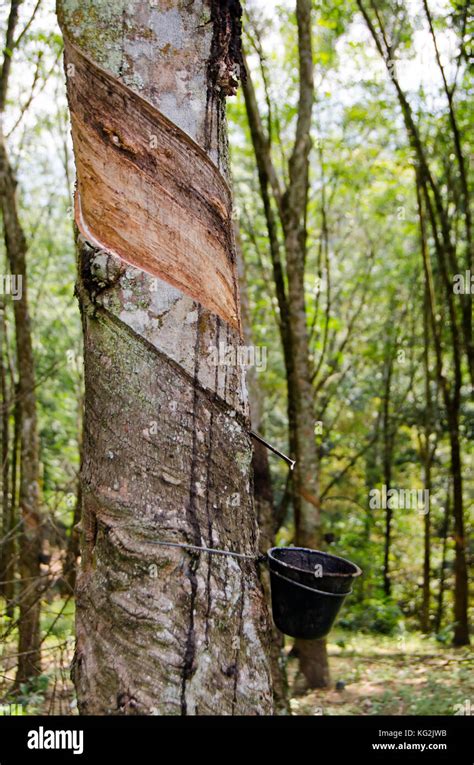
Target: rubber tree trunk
{"points": [[167, 454]]}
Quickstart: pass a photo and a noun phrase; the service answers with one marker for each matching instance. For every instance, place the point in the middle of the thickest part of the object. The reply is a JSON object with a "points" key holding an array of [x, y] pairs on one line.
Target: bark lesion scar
{"points": [[100, 271], [113, 136], [127, 703]]}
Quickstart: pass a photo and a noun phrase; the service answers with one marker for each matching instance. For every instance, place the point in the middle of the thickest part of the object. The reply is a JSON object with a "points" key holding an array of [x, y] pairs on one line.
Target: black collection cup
{"points": [[308, 589]]}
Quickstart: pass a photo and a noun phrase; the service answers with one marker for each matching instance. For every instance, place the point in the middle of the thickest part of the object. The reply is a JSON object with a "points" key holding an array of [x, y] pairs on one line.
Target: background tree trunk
{"points": [[442, 568], [166, 448], [291, 203], [5, 556], [427, 455], [29, 659], [26, 429], [387, 458]]}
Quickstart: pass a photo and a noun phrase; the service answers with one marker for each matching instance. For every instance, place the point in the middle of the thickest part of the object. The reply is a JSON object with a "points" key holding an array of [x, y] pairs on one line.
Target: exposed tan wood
{"points": [[174, 221]]}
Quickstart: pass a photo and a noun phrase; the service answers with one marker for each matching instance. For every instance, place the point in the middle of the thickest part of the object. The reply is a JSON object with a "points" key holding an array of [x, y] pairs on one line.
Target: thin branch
{"points": [[8, 52]]}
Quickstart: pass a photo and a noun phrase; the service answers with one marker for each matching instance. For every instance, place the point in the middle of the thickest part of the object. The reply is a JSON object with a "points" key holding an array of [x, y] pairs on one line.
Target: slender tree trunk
{"points": [[29, 661], [427, 456], [11, 545], [426, 598], [8, 545], [312, 654], [387, 468], [461, 629], [303, 446], [166, 448], [442, 568], [5, 561]]}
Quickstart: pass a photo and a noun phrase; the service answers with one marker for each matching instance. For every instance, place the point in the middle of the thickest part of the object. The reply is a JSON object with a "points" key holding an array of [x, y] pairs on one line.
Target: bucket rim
{"points": [[357, 572], [311, 589]]}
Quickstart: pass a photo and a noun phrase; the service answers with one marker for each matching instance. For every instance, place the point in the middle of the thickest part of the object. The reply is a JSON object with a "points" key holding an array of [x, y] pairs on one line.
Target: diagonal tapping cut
{"points": [[175, 222]]}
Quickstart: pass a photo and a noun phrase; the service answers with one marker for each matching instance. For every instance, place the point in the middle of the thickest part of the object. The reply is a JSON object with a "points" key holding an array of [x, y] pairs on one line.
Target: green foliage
{"points": [[379, 615]]}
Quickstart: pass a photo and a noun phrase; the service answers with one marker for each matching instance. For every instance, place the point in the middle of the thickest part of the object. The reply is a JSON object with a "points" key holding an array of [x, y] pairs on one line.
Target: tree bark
{"points": [[166, 448]]}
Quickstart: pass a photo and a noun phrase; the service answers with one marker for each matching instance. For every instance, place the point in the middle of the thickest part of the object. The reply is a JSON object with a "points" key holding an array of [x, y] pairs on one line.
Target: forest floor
{"points": [[370, 674], [378, 675]]}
